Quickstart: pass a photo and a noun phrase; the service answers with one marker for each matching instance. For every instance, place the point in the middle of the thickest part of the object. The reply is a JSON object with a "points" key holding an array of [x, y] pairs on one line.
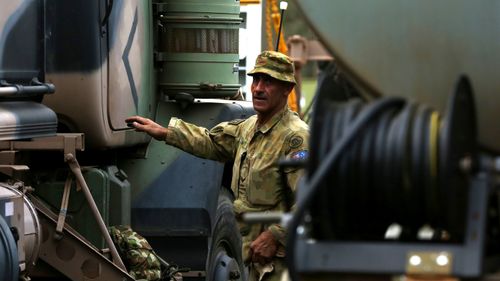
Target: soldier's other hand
{"points": [[148, 126], [263, 248]]}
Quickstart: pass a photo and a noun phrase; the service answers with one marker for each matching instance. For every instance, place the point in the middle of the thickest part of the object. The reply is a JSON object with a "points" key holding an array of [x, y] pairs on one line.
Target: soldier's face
{"points": [[269, 95]]}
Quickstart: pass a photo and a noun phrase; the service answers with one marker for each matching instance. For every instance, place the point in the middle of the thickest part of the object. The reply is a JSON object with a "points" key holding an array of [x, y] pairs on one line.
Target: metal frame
{"points": [[71, 254], [90, 264], [466, 260]]}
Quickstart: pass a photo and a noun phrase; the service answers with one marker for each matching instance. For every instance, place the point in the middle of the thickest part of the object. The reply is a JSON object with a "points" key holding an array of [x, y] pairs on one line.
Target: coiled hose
{"points": [[389, 161]]}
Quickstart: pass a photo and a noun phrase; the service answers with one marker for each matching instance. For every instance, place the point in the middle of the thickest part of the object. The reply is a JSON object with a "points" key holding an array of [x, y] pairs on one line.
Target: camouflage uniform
{"points": [[255, 151], [137, 254]]}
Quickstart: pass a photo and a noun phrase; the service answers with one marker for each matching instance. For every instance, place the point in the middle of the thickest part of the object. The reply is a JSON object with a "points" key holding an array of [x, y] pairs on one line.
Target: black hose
{"points": [[311, 186], [401, 168], [385, 177]]}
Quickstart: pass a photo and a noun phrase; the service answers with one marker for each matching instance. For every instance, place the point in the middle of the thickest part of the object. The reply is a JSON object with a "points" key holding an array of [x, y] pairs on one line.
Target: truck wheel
{"points": [[225, 261]]}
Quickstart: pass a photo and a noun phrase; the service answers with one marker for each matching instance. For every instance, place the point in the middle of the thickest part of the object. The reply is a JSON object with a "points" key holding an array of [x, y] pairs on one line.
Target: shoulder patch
{"points": [[296, 141], [235, 121], [299, 155]]}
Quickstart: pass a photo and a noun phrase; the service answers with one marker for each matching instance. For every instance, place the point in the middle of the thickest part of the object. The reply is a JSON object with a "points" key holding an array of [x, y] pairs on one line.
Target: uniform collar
{"points": [[273, 121]]}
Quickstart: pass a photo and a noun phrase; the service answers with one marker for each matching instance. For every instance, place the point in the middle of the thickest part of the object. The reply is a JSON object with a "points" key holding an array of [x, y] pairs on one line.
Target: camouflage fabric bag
{"points": [[137, 254]]}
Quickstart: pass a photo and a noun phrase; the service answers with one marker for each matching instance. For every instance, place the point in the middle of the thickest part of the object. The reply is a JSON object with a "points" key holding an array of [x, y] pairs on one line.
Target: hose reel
{"points": [[404, 167], [9, 264]]}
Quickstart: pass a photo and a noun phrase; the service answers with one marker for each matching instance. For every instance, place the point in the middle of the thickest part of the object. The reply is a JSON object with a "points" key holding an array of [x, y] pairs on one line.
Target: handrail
{"points": [[11, 90]]}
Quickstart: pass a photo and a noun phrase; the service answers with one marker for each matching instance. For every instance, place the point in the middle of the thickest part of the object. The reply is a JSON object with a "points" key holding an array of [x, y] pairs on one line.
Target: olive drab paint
{"points": [[106, 62], [198, 47]]}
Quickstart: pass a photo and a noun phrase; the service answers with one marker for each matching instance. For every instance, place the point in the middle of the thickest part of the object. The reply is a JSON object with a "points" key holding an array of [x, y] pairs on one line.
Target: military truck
{"points": [[70, 73], [403, 169]]}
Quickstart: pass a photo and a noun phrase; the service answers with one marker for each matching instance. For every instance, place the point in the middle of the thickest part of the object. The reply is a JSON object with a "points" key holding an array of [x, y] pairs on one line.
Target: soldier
{"points": [[255, 145]]}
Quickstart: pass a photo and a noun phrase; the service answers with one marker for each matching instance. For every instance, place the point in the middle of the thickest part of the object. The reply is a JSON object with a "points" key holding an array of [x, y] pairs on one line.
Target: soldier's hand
{"points": [[148, 126], [264, 248]]}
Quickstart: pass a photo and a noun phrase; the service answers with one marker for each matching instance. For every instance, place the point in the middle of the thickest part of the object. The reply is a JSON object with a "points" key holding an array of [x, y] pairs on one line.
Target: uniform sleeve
{"points": [[296, 148], [218, 144]]}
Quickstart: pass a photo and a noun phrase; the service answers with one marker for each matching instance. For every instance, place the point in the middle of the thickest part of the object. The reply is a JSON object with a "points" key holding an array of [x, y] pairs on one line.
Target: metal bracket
{"points": [[64, 208], [69, 143], [63, 142], [75, 168]]}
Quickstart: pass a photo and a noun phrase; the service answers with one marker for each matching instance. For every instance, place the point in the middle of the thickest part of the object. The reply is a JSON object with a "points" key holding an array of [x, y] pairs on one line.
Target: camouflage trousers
{"points": [[256, 272]]}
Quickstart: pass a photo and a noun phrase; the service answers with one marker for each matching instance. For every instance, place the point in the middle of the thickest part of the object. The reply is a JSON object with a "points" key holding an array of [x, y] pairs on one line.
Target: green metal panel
{"points": [[200, 7], [119, 197], [198, 47], [111, 195], [158, 156], [417, 49], [200, 75], [143, 172]]}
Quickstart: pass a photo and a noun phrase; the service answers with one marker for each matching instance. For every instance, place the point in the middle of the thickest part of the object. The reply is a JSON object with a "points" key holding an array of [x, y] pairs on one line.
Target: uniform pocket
{"points": [[262, 197], [264, 187]]}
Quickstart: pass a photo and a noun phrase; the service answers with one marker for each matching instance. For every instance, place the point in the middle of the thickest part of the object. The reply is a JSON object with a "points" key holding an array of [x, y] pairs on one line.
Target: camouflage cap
{"points": [[276, 65]]}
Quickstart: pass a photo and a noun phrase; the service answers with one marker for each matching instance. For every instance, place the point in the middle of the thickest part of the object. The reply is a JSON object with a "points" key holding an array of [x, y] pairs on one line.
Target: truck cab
{"points": [[70, 73]]}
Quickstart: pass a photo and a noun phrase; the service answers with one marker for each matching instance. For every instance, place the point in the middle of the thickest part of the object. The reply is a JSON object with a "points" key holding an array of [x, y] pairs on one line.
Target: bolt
{"points": [[58, 236]]}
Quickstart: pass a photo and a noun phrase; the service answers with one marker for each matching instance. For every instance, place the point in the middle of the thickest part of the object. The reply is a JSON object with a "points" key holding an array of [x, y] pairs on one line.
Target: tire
{"points": [[225, 259]]}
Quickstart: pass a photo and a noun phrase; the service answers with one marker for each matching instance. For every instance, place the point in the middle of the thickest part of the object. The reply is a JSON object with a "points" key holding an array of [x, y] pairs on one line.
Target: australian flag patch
{"points": [[300, 155]]}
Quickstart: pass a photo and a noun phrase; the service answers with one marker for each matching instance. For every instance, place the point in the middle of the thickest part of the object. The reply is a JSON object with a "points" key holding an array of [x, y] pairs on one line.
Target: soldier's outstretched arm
{"points": [[148, 126]]}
